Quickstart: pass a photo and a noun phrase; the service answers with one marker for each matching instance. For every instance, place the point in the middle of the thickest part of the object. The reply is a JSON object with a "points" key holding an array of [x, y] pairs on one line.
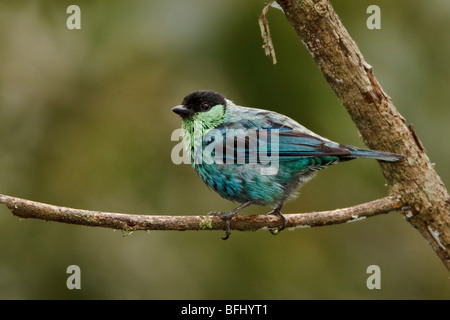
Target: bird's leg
{"points": [[277, 212], [227, 217]]}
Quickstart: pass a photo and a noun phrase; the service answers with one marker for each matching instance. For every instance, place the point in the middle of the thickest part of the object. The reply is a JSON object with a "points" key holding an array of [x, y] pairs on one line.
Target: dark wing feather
{"points": [[248, 141]]}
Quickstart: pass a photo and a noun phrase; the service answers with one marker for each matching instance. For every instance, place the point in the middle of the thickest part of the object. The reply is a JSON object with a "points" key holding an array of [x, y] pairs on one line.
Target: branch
{"points": [[382, 127], [130, 222]]}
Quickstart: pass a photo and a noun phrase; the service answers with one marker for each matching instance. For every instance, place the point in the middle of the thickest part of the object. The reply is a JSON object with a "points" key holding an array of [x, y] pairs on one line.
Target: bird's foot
{"points": [[227, 216], [277, 212]]}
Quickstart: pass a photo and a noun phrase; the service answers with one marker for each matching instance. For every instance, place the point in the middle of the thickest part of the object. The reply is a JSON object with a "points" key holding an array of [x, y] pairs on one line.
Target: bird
{"points": [[230, 147]]}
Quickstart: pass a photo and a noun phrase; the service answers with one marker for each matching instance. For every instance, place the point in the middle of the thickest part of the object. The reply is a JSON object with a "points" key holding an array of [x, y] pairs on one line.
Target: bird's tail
{"points": [[373, 154]]}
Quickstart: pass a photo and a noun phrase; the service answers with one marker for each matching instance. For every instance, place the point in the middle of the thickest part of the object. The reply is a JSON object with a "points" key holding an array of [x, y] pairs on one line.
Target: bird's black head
{"points": [[199, 101]]}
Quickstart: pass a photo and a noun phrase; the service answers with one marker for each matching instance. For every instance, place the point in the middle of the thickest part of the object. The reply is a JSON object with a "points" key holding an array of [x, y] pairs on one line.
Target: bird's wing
{"points": [[294, 144], [254, 137]]}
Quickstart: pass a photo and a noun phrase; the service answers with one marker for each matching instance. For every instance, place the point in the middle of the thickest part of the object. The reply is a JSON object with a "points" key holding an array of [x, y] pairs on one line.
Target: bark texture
{"points": [[132, 222], [414, 181]]}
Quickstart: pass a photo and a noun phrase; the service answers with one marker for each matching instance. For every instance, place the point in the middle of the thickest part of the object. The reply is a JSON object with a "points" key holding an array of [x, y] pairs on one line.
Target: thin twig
{"points": [[268, 47], [131, 222]]}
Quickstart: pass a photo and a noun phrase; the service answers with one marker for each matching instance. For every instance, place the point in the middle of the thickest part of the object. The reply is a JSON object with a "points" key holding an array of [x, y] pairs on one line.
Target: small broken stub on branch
{"points": [[265, 33]]}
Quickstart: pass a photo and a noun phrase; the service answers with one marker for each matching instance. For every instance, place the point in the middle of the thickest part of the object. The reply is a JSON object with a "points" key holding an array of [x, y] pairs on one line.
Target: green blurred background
{"points": [[85, 122]]}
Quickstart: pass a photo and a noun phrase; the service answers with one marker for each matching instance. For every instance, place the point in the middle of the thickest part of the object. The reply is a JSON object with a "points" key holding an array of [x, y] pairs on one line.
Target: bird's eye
{"points": [[205, 106]]}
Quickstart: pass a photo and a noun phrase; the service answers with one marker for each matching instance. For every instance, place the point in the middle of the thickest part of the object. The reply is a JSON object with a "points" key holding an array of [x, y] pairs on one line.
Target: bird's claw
{"points": [[226, 216], [277, 212]]}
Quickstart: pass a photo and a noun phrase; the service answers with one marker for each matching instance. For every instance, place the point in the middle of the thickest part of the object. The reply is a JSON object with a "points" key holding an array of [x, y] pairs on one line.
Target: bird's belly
{"points": [[244, 182]]}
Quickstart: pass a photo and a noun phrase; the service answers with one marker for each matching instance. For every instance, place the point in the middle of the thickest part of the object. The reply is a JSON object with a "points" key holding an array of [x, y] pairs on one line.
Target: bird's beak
{"points": [[182, 111]]}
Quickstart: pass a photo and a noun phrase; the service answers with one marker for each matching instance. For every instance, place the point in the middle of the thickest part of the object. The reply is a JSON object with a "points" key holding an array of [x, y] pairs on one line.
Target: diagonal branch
{"points": [[381, 125], [131, 222]]}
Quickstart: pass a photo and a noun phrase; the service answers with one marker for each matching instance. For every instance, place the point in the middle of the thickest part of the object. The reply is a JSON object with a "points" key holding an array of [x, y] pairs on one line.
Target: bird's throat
{"points": [[197, 127]]}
